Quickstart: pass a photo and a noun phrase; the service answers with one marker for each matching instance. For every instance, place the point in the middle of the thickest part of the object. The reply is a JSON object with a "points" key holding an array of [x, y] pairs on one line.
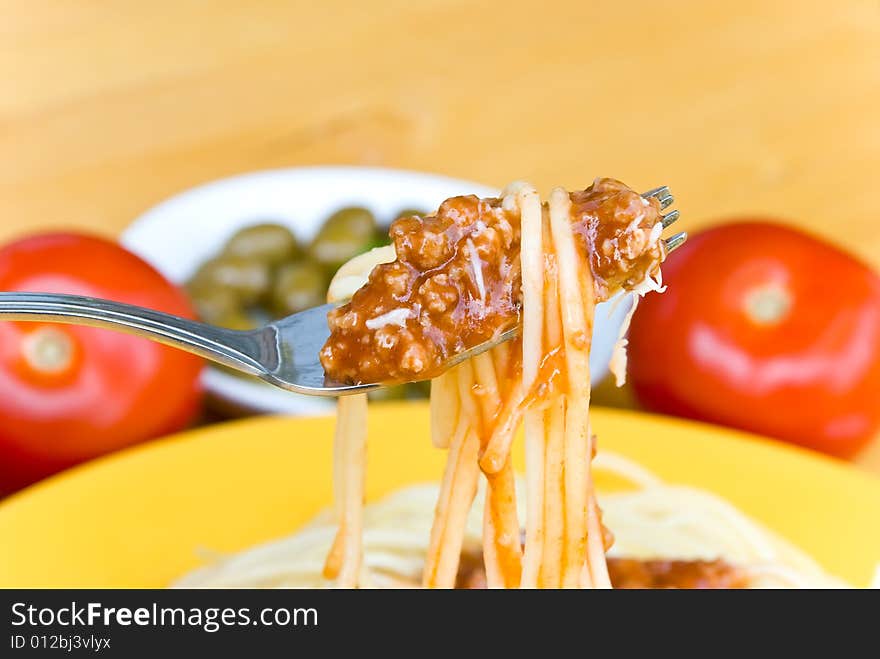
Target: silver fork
{"points": [[283, 353]]}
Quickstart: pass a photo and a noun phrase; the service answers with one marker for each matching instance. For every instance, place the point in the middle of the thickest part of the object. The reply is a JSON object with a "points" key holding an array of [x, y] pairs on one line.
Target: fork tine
{"points": [[669, 218], [657, 192], [675, 241], [661, 194]]}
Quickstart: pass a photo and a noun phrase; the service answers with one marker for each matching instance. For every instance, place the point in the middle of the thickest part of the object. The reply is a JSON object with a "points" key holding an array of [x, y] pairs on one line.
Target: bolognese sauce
{"points": [[630, 573], [456, 281]]}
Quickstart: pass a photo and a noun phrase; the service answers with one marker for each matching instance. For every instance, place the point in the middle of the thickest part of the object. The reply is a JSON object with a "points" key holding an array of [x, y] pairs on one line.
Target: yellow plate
{"points": [[141, 517]]}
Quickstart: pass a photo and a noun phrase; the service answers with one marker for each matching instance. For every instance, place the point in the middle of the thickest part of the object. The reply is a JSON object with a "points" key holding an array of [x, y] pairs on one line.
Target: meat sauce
{"points": [[629, 573], [457, 283]]}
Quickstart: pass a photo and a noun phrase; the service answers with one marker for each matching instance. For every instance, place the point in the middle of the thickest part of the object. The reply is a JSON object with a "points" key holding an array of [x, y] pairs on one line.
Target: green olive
{"points": [[238, 321], [298, 286], [247, 279], [380, 239], [220, 306], [214, 303], [346, 233], [271, 243]]}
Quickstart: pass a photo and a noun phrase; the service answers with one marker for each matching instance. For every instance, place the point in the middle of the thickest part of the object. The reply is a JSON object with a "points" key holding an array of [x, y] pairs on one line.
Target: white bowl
{"points": [[180, 233]]}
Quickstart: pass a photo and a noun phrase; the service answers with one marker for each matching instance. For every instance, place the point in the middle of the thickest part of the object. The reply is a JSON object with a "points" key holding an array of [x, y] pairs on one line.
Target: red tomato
{"points": [[70, 393], [766, 329]]}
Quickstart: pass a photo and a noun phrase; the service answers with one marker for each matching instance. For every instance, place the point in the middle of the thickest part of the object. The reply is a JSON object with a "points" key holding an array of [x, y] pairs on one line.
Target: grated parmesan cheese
{"points": [[617, 364], [397, 317], [634, 225], [478, 269]]}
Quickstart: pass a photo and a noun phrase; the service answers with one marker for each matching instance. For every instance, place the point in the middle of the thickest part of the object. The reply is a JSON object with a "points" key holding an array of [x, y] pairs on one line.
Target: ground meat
{"points": [[456, 281], [614, 226]]}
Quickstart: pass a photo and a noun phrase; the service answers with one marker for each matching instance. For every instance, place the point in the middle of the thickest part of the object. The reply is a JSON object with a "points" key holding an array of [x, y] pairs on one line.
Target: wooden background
{"points": [[766, 107]]}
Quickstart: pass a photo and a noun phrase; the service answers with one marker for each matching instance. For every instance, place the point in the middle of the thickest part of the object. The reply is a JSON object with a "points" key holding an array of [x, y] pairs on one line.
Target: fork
{"points": [[283, 353]]}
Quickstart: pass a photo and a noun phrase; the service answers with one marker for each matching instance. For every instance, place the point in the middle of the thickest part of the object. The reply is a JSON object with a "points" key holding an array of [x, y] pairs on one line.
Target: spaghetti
{"points": [[654, 523], [461, 276], [456, 279]]}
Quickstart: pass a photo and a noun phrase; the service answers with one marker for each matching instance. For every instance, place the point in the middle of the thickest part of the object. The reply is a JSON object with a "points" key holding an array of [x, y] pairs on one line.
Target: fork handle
{"points": [[235, 349]]}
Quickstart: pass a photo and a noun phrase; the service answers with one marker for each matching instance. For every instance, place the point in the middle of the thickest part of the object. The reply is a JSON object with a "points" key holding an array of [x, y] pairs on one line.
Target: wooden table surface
{"points": [[769, 108]]}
